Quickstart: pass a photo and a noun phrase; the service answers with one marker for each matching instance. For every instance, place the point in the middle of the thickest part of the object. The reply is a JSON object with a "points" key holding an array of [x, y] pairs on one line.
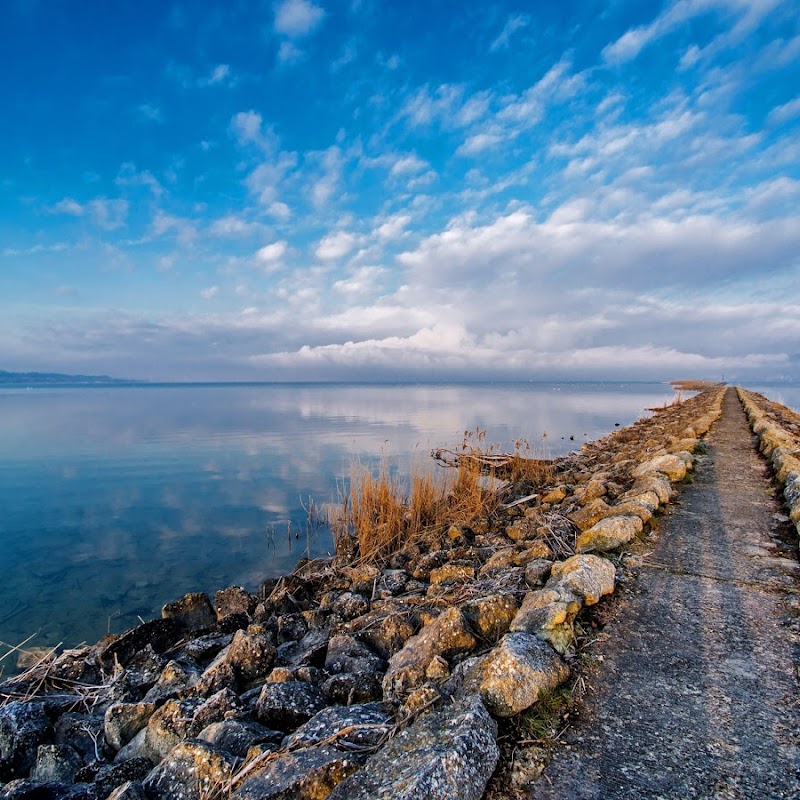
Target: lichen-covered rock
{"points": [[452, 573], [555, 495], [308, 774], [157, 634], [530, 551], [251, 656], [347, 654], [590, 514], [349, 605], [362, 578], [237, 736], [57, 763], [656, 483], [234, 600], [499, 561], [609, 534], [445, 636], [448, 754], [28, 789], [586, 576], [23, 727], [169, 725], [359, 725], [84, 733], [548, 614], [175, 678], [490, 616], [286, 706], [309, 650], [193, 612], [510, 677], [189, 772], [384, 632], [349, 688], [536, 571], [109, 777], [672, 466]]}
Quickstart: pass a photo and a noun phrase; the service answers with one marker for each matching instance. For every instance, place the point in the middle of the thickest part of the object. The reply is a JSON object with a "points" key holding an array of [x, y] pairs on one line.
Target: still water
{"points": [[116, 500]]}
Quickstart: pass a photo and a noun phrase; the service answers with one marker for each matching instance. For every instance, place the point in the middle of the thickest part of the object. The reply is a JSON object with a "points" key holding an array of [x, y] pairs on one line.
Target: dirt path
{"points": [[697, 695]]}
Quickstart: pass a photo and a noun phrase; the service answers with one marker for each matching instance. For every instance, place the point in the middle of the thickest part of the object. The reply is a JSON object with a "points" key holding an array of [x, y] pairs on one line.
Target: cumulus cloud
{"points": [[271, 253], [335, 245], [295, 18]]}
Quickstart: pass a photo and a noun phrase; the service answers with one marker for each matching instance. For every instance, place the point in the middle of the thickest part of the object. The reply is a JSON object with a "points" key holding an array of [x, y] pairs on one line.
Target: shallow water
{"points": [[116, 500]]}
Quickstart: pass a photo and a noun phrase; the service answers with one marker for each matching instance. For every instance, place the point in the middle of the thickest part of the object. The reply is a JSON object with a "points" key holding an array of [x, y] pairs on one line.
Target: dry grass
{"points": [[381, 512]]}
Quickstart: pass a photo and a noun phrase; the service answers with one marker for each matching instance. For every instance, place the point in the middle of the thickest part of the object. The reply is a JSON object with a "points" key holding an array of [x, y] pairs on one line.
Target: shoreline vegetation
{"points": [[453, 608]]}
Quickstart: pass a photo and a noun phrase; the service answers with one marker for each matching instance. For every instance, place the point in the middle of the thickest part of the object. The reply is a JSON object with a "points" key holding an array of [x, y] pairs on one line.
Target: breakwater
{"points": [[366, 680]]}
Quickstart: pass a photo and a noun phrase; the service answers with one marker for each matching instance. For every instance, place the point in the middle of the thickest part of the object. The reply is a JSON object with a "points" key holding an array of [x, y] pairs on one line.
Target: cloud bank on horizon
{"points": [[320, 189]]}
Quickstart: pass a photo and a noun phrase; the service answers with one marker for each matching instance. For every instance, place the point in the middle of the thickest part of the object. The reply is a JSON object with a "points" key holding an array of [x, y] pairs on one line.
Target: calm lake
{"points": [[116, 500]]}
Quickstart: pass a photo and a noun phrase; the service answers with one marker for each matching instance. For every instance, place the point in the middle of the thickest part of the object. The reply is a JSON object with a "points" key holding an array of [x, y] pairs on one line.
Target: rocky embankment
{"points": [[778, 431], [361, 681]]}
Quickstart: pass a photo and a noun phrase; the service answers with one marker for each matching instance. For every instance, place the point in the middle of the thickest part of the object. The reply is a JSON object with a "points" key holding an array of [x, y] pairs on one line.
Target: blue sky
{"points": [[309, 189]]}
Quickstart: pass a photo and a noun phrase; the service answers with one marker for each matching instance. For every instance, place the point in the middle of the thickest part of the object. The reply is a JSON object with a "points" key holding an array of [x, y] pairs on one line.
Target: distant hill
{"points": [[49, 378]]}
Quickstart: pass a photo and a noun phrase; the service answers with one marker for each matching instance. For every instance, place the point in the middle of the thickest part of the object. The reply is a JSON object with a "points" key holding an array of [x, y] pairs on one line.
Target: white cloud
{"points": [[335, 245], [233, 226], [69, 206], [513, 24], [130, 176], [208, 293], [785, 112], [295, 18], [407, 165], [150, 113], [103, 212], [478, 143], [361, 280], [273, 252], [289, 53], [220, 74], [393, 228]]}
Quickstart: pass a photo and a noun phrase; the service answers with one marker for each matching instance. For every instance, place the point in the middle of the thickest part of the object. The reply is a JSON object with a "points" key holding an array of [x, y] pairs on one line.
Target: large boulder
{"points": [[672, 466], [449, 754], [191, 771], [346, 726], [510, 677], [304, 775], [548, 614], [447, 635], [23, 727], [193, 612], [609, 534], [586, 576]]}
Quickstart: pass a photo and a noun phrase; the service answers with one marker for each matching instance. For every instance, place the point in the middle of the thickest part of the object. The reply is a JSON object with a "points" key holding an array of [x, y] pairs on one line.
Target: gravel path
{"points": [[697, 695]]}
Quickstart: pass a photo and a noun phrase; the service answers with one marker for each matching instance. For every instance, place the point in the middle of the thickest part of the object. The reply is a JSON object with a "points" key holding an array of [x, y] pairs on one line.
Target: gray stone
{"points": [[57, 763], [237, 736], [110, 777], [124, 720], [251, 656], [159, 634], [347, 654], [362, 726], [193, 612], [448, 754], [191, 771], [672, 466], [84, 733], [350, 605], [536, 571], [130, 790], [510, 677], [447, 635], [310, 650], [305, 775], [348, 688], [234, 600], [175, 678], [286, 706], [490, 616], [23, 727]]}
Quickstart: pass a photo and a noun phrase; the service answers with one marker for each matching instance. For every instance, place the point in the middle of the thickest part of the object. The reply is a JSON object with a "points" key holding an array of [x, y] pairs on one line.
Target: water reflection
{"points": [[117, 500]]}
